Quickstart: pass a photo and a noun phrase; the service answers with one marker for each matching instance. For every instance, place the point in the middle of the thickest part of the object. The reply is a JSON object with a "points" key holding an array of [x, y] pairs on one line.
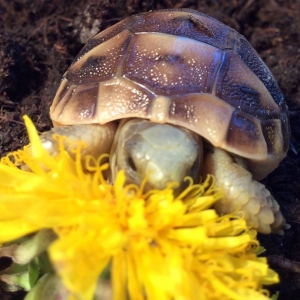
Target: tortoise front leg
{"points": [[242, 193], [98, 138]]}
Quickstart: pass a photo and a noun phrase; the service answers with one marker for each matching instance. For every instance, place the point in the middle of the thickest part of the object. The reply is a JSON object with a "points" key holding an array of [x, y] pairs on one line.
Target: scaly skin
{"points": [[242, 193], [98, 138]]}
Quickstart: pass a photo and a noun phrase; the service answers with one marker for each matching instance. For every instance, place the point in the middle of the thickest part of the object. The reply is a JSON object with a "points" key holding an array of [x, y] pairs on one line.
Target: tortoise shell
{"points": [[184, 68]]}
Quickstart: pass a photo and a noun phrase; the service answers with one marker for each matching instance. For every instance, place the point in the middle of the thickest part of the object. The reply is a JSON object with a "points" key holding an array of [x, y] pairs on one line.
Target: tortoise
{"points": [[175, 93]]}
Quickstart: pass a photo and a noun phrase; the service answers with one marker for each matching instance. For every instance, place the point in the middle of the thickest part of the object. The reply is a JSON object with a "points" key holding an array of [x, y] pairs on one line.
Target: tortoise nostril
{"points": [[131, 164]]}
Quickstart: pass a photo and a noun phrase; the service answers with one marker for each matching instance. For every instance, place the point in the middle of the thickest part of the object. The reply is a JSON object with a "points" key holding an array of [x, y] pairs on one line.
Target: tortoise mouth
{"points": [[162, 153]]}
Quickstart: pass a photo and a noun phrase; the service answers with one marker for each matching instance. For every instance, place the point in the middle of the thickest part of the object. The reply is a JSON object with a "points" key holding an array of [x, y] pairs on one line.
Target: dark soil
{"points": [[39, 39]]}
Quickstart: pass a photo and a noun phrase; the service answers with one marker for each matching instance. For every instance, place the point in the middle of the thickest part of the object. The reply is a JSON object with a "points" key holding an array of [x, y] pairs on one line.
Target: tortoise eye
{"points": [[131, 164], [130, 167]]}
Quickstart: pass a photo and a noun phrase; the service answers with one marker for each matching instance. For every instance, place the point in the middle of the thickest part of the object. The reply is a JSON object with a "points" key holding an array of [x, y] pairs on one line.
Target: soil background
{"points": [[40, 38]]}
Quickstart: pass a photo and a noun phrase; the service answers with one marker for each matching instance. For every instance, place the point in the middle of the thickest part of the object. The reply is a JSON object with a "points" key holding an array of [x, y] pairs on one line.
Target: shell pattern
{"points": [[184, 68]]}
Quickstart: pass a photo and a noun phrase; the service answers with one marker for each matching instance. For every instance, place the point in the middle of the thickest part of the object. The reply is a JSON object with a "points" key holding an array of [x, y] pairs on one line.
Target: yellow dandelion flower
{"points": [[157, 246]]}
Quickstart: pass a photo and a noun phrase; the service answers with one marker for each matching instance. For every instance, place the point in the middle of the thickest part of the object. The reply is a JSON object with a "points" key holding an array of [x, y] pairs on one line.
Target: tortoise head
{"points": [[161, 152]]}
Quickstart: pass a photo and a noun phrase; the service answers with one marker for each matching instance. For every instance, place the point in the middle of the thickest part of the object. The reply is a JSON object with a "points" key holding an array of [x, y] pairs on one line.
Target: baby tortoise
{"points": [[176, 93]]}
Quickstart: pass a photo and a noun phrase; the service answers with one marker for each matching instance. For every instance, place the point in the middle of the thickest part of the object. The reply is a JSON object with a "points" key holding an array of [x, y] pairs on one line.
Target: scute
{"points": [[185, 68], [171, 65]]}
